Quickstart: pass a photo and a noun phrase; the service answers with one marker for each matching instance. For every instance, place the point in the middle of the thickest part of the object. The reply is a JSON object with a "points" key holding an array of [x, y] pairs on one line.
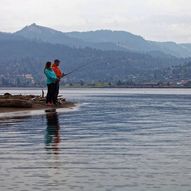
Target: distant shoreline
{"points": [[93, 87]]}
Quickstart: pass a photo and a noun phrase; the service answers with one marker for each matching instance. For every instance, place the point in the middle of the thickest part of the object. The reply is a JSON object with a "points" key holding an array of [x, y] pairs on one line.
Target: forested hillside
{"points": [[22, 60]]}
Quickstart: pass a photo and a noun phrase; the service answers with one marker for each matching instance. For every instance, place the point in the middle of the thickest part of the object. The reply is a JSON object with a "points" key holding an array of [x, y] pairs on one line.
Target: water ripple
{"points": [[112, 142]]}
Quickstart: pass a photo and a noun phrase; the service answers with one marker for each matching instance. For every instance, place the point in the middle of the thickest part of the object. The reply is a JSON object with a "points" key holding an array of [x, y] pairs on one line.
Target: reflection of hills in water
{"points": [[52, 137]]}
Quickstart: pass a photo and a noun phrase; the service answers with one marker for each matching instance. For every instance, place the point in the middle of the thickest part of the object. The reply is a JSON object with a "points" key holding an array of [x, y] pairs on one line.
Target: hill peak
{"points": [[33, 27], [35, 31]]}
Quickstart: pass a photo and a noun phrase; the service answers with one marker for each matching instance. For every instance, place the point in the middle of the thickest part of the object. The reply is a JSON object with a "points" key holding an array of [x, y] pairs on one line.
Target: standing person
{"points": [[51, 82], [59, 75]]}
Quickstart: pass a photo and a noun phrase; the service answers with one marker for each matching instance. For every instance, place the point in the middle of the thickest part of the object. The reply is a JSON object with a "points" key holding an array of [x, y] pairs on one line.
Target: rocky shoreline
{"points": [[12, 103]]}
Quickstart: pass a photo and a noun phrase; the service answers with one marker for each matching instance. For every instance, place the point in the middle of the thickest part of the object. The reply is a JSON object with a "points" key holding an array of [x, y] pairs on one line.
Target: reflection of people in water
{"points": [[52, 139]]}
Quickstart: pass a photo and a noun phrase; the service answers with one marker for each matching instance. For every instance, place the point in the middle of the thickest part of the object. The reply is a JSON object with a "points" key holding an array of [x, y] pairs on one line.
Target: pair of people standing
{"points": [[53, 75]]}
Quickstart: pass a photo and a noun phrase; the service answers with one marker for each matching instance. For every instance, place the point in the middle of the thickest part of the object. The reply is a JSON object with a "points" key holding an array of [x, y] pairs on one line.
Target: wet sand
{"points": [[36, 107]]}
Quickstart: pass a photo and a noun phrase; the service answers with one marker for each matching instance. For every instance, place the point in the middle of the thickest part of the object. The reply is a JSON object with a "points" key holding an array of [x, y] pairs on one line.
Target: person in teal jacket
{"points": [[51, 80]]}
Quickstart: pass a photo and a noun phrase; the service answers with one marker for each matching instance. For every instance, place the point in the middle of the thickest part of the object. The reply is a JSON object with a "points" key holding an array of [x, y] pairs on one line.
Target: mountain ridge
{"points": [[104, 40], [24, 56]]}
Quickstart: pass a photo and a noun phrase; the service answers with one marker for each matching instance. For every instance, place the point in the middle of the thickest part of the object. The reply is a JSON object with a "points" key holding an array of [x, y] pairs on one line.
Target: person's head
{"points": [[48, 65], [57, 62]]}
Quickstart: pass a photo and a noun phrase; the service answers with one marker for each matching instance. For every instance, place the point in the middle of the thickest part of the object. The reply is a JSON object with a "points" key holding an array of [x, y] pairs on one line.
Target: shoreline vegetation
{"points": [[13, 103], [125, 86], [130, 84], [119, 84], [104, 87]]}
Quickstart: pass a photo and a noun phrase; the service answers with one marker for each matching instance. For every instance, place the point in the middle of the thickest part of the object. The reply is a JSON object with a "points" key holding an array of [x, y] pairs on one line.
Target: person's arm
{"points": [[60, 73]]}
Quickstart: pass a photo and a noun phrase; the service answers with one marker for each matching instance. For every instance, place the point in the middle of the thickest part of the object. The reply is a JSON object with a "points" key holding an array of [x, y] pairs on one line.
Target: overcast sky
{"points": [[160, 20]]}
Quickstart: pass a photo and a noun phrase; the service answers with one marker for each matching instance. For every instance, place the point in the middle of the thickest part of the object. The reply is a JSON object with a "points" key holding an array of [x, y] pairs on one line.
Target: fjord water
{"points": [[115, 139]]}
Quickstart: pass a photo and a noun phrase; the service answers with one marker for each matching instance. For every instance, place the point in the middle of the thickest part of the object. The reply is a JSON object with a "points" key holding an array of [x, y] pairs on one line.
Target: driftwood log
{"points": [[16, 103]]}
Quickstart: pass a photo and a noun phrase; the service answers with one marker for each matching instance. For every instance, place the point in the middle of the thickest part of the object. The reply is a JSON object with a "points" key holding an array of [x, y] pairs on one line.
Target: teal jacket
{"points": [[50, 75]]}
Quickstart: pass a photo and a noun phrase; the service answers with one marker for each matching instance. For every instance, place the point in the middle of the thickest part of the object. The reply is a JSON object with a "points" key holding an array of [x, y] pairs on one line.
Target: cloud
{"points": [[153, 19]]}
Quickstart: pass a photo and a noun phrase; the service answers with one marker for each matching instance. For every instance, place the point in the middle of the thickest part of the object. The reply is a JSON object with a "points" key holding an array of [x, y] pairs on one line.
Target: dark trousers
{"points": [[56, 90], [50, 98]]}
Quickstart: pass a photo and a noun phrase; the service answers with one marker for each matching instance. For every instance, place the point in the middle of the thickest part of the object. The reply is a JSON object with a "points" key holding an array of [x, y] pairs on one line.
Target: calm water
{"points": [[114, 140]]}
